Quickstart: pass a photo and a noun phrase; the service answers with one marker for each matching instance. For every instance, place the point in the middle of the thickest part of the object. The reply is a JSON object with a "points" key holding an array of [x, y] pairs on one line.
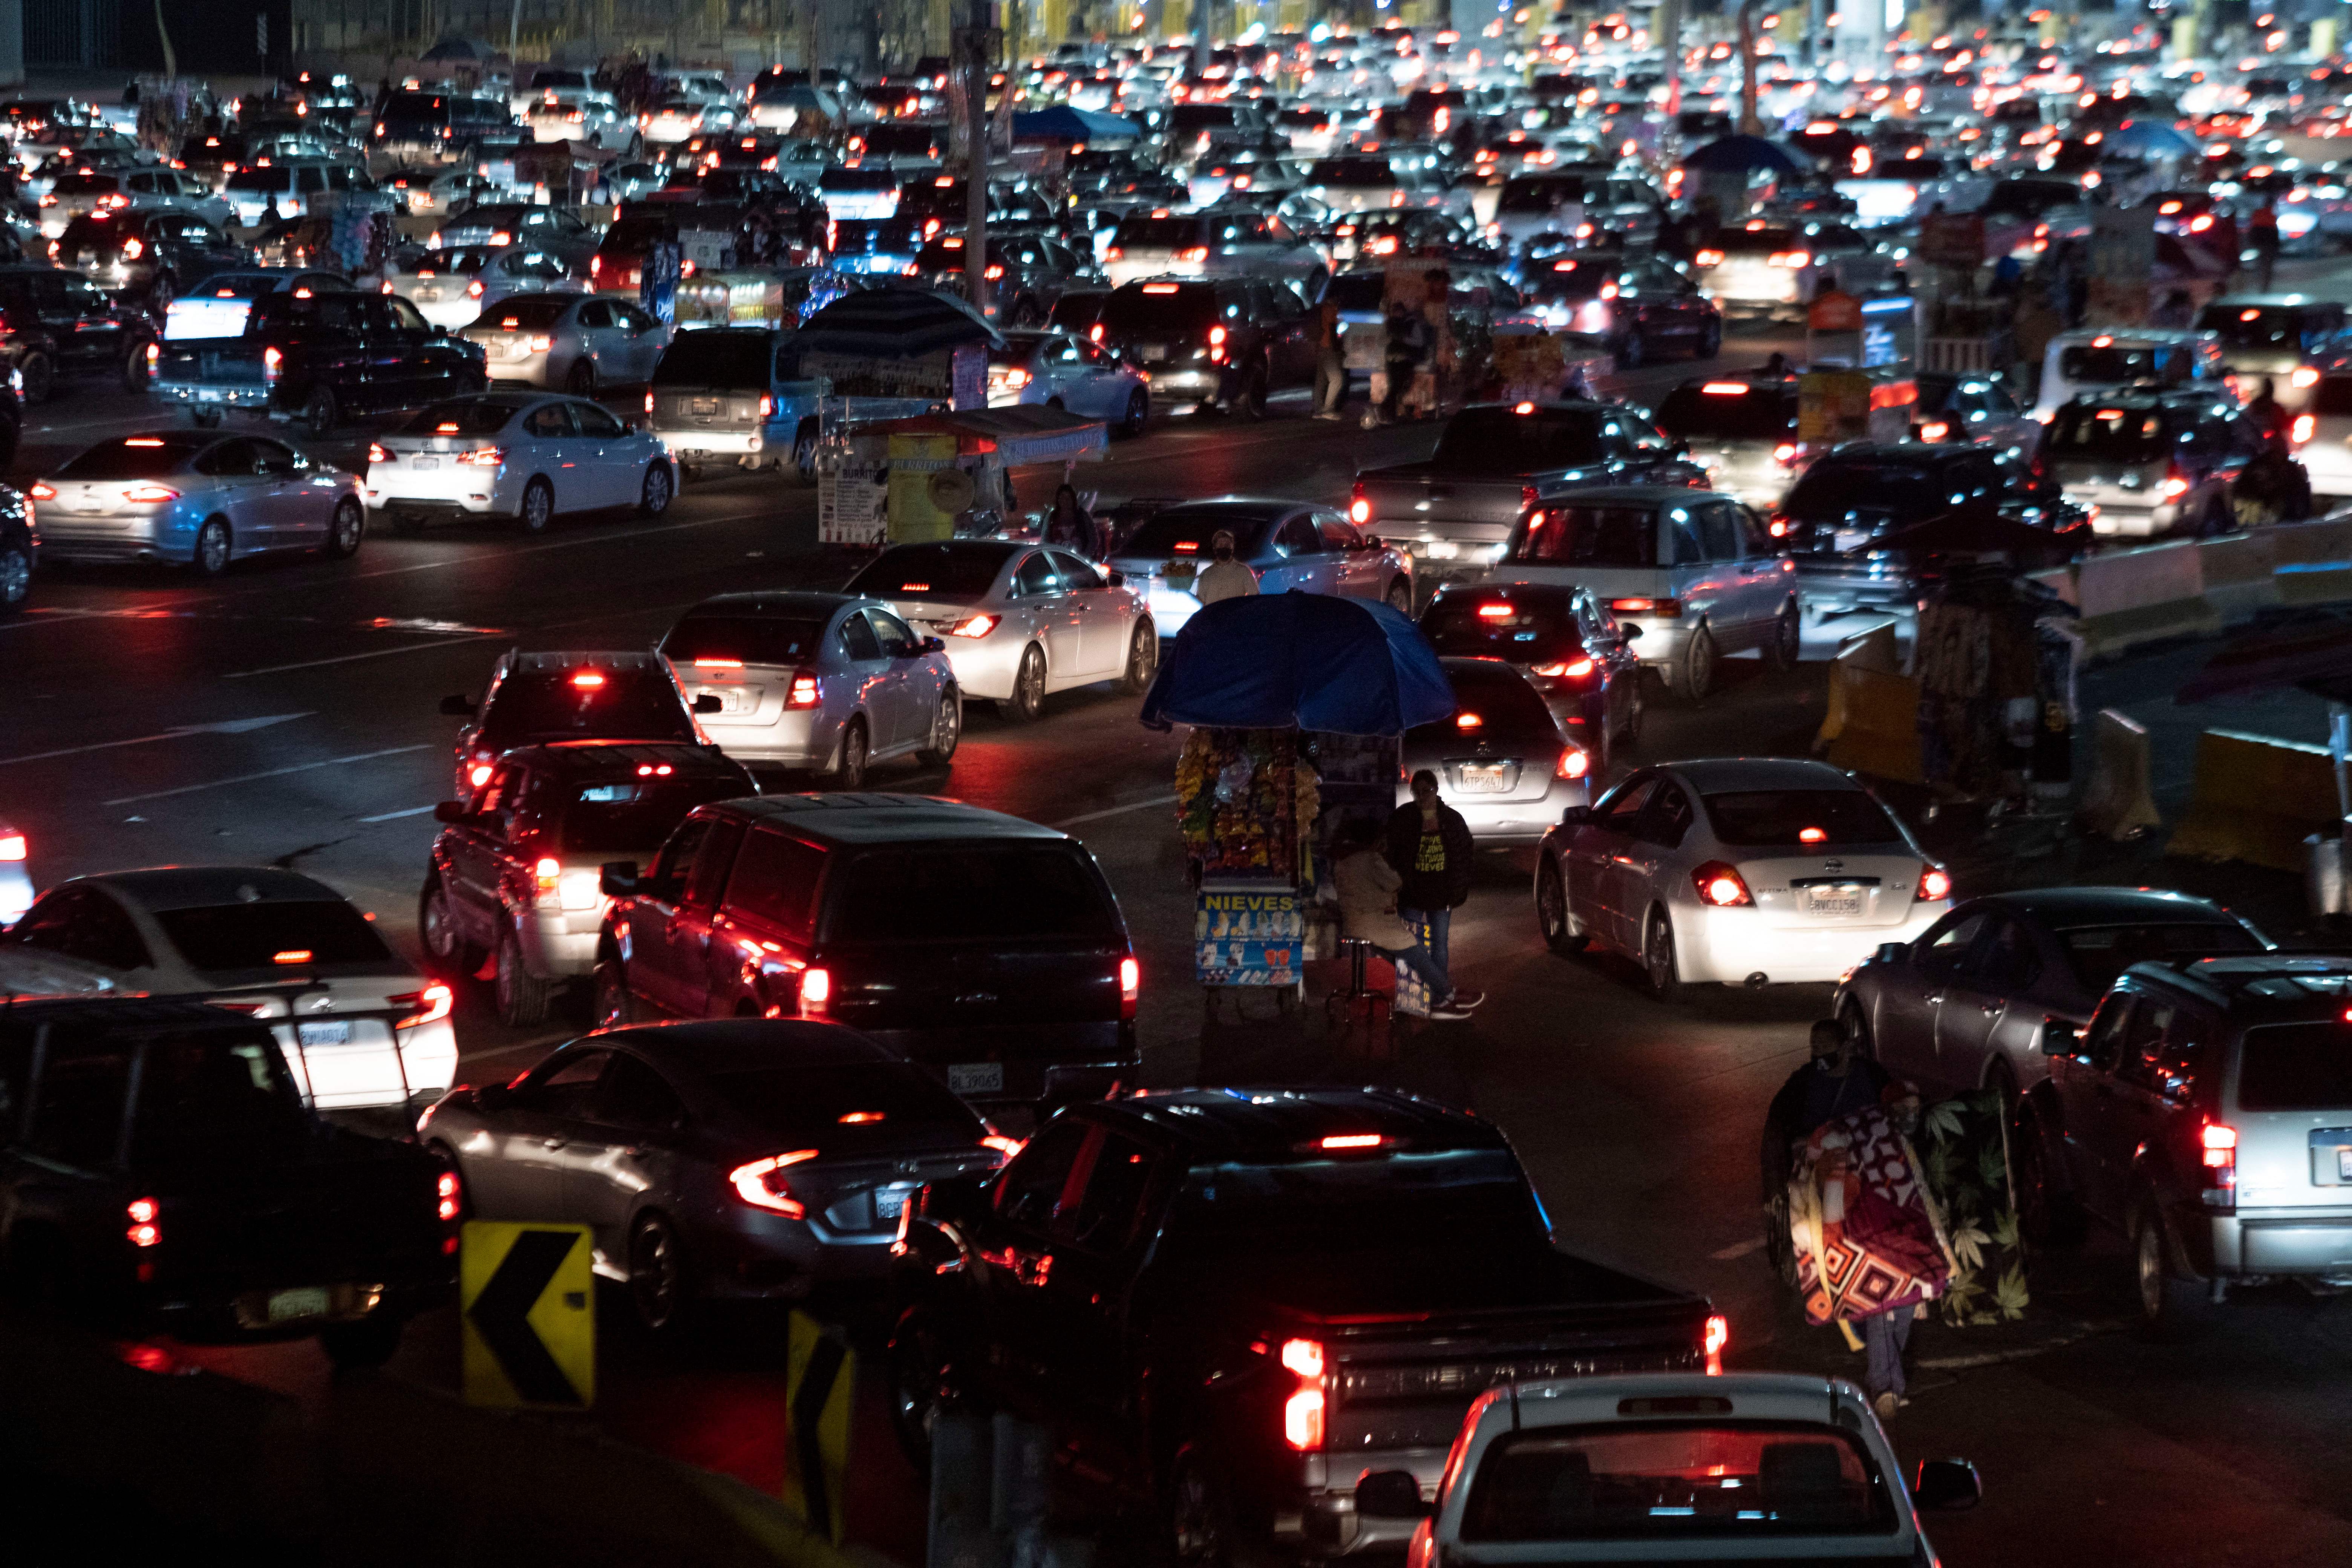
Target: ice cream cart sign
{"points": [[1248, 933]]}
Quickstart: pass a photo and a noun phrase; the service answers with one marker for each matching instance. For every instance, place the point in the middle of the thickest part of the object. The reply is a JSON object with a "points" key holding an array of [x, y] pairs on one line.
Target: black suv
{"points": [[2275, 335], [515, 871], [147, 256], [58, 326], [1227, 342], [988, 949], [535, 698], [2207, 1110]]}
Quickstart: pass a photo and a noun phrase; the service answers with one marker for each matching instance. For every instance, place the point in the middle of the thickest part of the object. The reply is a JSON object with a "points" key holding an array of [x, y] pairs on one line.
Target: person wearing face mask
{"points": [[1223, 577]]}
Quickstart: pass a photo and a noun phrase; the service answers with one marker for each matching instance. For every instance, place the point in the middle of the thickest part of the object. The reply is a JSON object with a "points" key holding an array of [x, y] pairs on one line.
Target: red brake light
{"points": [[377, 453], [758, 1185], [143, 1213], [1578, 669], [432, 1005], [1574, 763], [291, 955], [445, 1192], [1008, 1147], [1468, 721], [546, 874], [1359, 509], [973, 627], [1664, 609], [1130, 979], [587, 680], [150, 495], [1494, 612], [2301, 431], [1810, 835], [1302, 1413], [767, 405], [1714, 1340], [816, 990], [42, 490], [2173, 488], [1304, 1357], [1724, 389], [12, 846], [1934, 883], [803, 693], [2305, 376], [1719, 884], [2220, 1144], [1216, 336]]}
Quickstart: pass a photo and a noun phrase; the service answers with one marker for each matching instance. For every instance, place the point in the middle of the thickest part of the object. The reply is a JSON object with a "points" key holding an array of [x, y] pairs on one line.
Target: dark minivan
{"points": [[986, 948]]}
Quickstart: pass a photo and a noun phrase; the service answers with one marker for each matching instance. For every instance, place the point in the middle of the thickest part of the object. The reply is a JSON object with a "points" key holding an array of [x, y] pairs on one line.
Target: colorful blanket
{"points": [[1867, 1236]]}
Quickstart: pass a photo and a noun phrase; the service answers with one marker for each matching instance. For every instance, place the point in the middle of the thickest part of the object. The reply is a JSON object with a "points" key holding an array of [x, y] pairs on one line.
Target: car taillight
{"points": [[973, 627], [1714, 1340], [1131, 985], [803, 692], [272, 361], [1302, 1413], [2305, 376], [649, 404], [2219, 1145], [445, 1195], [12, 846], [595, 266], [150, 495], [547, 875], [767, 405], [155, 352], [1008, 1147], [133, 248], [1194, 253], [1664, 609], [1935, 430], [377, 453], [1573, 763], [1790, 259], [145, 1215], [1934, 883], [1094, 333], [1360, 508], [1785, 452], [1016, 378], [483, 456], [431, 1004], [759, 1185], [2301, 431], [1707, 259], [2173, 487], [1719, 885], [42, 490], [816, 990]]}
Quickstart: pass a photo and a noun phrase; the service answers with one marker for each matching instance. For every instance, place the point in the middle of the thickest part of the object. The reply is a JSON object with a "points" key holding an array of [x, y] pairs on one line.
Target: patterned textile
{"points": [[1964, 1157], [1867, 1235]]}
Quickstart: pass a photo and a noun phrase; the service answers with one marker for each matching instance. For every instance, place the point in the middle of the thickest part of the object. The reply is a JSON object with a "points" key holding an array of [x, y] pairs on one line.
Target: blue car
{"points": [[1289, 546]]}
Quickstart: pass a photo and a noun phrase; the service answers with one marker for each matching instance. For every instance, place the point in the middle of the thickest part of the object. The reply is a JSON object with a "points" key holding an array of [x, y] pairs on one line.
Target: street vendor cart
{"points": [[942, 475]]}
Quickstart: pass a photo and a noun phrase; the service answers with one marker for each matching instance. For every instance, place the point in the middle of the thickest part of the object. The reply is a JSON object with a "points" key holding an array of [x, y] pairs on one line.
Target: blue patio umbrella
{"points": [[1314, 662], [2147, 139], [1745, 156], [1063, 123]]}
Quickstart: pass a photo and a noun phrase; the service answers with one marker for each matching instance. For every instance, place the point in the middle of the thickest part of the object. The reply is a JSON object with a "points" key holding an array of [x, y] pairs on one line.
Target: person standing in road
{"points": [[1330, 361], [1404, 354], [1223, 577], [1072, 527], [1367, 885], [2262, 229], [1430, 848]]}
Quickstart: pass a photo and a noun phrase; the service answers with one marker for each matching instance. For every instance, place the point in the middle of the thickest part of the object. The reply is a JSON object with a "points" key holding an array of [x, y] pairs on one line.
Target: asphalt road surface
{"points": [[285, 714]]}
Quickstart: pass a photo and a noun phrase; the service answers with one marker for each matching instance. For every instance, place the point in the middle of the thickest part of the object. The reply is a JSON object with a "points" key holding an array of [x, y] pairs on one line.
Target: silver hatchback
{"points": [[1501, 759]]}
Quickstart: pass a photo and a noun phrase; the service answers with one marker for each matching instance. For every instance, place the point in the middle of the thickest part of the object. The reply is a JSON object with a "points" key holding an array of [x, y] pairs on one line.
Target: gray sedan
{"points": [[1963, 1006], [571, 342], [1060, 370], [1289, 547], [1501, 759], [198, 498]]}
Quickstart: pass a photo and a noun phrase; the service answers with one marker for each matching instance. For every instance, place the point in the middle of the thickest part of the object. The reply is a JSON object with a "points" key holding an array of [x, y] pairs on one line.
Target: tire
{"points": [[1857, 1029], [365, 1345], [851, 773], [1400, 597], [804, 453], [1250, 404], [41, 378], [1027, 703], [134, 370], [1637, 708], [445, 947], [661, 1292], [16, 578], [2171, 1309], [582, 382], [1138, 410], [1202, 1529], [1552, 911], [322, 415], [1632, 353], [1788, 638], [522, 996], [1660, 969], [654, 498], [1710, 341], [947, 731], [210, 556], [611, 1004], [1694, 674], [537, 506], [922, 1382], [1142, 660], [161, 292], [345, 529], [204, 418]]}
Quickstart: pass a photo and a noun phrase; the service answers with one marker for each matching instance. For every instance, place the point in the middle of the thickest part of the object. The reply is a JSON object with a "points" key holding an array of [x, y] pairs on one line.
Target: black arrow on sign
{"points": [[825, 1357], [498, 1315]]}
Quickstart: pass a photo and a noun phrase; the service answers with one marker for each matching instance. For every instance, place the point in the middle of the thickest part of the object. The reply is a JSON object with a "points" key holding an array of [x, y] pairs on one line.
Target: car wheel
{"points": [[2171, 1307], [537, 506], [660, 1286], [210, 557], [1856, 1028], [851, 775], [445, 947], [136, 373], [1027, 702], [582, 382], [1143, 659], [922, 1383], [1252, 398], [1637, 705], [947, 731], [805, 452], [1552, 918], [1138, 409], [1658, 965], [522, 996], [16, 578], [1787, 639], [321, 415], [1201, 1526], [654, 500], [1632, 351], [204, 418], [612, 1003], [346, 529], [1695, 675], [1400, 597], [365, 1345], [1710, 341]]}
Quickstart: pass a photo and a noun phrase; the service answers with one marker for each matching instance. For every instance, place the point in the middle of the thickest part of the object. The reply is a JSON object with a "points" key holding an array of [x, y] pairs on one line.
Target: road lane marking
{"points": [[1753, 1244], [226, 726], [1115, 811], [271, 773], [348, 658], [397, 815]]}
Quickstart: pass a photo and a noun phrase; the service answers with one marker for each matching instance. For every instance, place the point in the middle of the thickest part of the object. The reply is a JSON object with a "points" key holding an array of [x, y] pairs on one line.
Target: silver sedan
{"points": [[452, 287], [1059, 371], [1019, 620], [569, 343], [199, 498]]}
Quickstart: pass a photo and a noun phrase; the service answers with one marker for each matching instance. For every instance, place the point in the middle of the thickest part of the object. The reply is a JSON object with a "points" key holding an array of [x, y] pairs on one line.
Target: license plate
{"points": [[2344, 1164], [429, 296], [706, 406], [424, 462], [288, 1306], [1833, 902], [209, 394], [1151, 350], [889, 1202], [732, 700], [1482, 778], [337, 1032], [977, 1078]]}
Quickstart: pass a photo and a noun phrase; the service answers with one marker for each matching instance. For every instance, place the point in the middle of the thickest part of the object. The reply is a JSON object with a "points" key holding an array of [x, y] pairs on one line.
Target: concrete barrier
{"points": [[2256, 799], [1872, 725], [2313, 561], [2116, 802], [2241, 573], [2133, 596]]}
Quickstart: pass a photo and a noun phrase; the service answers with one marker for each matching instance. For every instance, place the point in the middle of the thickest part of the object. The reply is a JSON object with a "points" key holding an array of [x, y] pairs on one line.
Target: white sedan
{"points": [[1738, 870], [452, 287], [518, 456]]}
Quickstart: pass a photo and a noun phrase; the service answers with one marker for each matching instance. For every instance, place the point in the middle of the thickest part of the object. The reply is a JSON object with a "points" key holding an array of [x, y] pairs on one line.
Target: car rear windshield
{"points": [[282, 310], [1185, 535], [530, 313], [1505, 708], [2023, 198], [1677, 1480], [1459, 623], [1452, 1200], [715, 359], [962, 573], [1573, 278], [1839, 484], [1357, 291], [2109, 433], [121, 459], [1710, 413], [551, 704], [2296, 1067], [2116, 364], [1351, 172], [2254, 326], [82, 184], [201, 1093], [635, 813], [1498, 441], [1538, 195], [840, 179], [1171, 310], [1156, 233], [2099, 954], [744, 639], [956, 893], [1754, 241], [810, 1104], [1590, 536], [464, 417], [261, 182], [1798, 818], [272, 934]]}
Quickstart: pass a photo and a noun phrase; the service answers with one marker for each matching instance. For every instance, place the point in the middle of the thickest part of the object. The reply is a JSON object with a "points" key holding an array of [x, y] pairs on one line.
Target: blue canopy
{"points": [[2147, 139], [1063, 123], [1273, 661], [1744, 155]]}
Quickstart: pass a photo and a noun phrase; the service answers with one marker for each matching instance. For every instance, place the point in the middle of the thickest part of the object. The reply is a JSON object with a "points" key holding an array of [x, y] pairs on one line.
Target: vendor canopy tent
{"points": [[1063, 123], [2146, 139], [456, 51], [1273, 661], [1744, 155], [895, 323], [1022, 434]]}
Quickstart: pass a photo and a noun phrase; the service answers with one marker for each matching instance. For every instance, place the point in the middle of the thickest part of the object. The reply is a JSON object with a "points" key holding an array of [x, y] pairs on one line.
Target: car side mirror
{"points": [[2061, 1039], [935, 645], [1389, 1494], [1946, 1485], [707, 703], [618, 879], [1629, 634], [1892, 952], [458, 706], [1115, 579], [494, 1097], [450, 811], [1575, 815]]}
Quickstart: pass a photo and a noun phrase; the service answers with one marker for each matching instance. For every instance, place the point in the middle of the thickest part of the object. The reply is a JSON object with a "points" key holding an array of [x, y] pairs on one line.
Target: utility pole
{"points": [[977, 56], [1751, 123]]}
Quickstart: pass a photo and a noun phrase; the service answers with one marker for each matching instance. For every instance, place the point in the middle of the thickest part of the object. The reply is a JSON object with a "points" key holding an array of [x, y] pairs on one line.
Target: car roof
{"points": [[2263, 301], [776, 601], [874, 818], [553, 662], [1252, 508], [116, 1015], [1775, 1396], [2288, 986], [1709, 774], [1648, 494], [2064, 906], [1914, 451], [1271, 1123], [730, 1045], [2081, 335], [192, 887], [1547, 595]]}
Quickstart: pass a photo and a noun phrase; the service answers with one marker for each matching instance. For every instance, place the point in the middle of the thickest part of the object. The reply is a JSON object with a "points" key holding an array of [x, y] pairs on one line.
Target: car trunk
{"points": [[862, 1195], [1832, 886], [692, 408], [2293, 1118], [2112, 482], [218, 362]]}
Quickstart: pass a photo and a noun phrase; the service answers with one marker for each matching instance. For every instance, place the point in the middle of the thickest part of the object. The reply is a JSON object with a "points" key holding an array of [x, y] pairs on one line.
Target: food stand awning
{"points": [[895, 323], [1063, 122], [1017, 436], [1312, 661]]}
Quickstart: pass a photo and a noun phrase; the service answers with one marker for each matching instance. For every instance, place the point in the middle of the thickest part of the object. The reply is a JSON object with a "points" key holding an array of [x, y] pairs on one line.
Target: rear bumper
{"points": [[1833, 590], [2298, 1244], [1498, 821], [1321, 1521], [794, 738], [1726, 946], [693, 444], [2133, 522], [1185, 384], [199, 394], [1054, 1062]]}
